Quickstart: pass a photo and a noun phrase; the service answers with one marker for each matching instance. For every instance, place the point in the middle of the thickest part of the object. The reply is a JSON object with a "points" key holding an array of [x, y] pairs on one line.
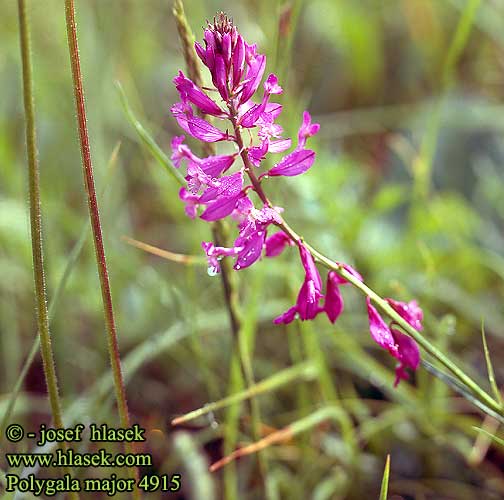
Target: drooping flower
{"points": [[399, 345], [409, 311], [334, 305], [276, 243], [307, 304], [409, 355]]}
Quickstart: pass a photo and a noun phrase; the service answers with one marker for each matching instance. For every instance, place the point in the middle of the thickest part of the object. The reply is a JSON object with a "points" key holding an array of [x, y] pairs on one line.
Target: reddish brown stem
{"points": [[94, 215]]}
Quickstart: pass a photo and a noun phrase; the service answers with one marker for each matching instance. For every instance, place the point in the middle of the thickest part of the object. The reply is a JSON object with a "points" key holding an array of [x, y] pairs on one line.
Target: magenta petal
{"points": [[294, 163], [229, 185], [191, 202], [238, 60], [286, 317], [219, 208], [333, 305], [201, 52], [256, 154], [273, 109], [180, 112], [226, 49], [271, 85], [276, 243], [408, 349], [188, 90], [379, 330], [204, 131], [409, 355], [409, 311], [254, 75], [279, 146], [250, 118], [308, 299], [216, 165], [219, 76], [252, 249], [310, 268], [307, 129]]}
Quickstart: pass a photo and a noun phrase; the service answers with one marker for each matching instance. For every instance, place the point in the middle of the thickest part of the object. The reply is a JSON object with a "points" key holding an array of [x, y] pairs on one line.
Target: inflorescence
{"points": [[237, 70]]}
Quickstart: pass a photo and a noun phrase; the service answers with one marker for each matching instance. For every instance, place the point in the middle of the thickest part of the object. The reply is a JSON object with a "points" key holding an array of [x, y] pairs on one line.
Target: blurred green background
{"points": [[407, 186]]}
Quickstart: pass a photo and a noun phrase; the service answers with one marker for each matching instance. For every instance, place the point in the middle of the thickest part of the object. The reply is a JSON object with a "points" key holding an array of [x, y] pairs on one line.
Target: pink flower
{"points": [[307, 129], [251, 239], [299, 160], [307, 304], [399, 345], [189, 91], [334, 305], [191, 202], [276, 243], [196, 126], [410, 311], [215, 254]]}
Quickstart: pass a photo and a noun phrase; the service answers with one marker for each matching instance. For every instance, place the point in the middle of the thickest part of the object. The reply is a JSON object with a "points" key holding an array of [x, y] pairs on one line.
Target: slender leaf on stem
{"points": [[303, 371], [166, 254], [462, 390], [385, 480], [147, 139], [195, 463], [327, 413], [498, 440], [491, 373]]}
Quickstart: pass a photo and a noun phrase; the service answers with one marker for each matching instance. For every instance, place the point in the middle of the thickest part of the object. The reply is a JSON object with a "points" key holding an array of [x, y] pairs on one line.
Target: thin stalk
{"points": [[36, 224], [94, 216]]}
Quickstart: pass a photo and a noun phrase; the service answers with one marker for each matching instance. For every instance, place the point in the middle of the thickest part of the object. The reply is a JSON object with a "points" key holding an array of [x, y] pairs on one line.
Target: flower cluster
{"points": [[215, 184]]}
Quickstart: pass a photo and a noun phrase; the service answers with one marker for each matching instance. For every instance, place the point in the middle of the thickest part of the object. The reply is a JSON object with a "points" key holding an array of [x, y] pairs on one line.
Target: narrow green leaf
{"points": [[147, 139], [385, 480], [491, 373], [462, 390], [490, 435], [304, 371]]}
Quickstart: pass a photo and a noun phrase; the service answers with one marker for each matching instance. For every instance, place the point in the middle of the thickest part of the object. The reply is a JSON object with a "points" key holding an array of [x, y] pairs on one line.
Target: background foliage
{"points": [[408, 186]]}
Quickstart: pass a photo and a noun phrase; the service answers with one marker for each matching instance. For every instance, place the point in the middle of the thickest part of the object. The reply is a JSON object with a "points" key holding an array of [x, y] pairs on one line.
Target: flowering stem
{"points": [[94, 215], [221, 238], [380, 302], [36, 225]]}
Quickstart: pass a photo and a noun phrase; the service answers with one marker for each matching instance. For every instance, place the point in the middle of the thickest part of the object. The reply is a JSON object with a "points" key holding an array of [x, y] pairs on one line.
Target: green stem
{"points": [[94, 216], [36, 224]]}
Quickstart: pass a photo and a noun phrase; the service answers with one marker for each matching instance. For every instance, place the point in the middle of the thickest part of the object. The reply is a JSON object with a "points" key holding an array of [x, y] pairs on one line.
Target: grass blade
{"points": [[491, 373], [147, 139], [462, 390], [385, 480], [306, 371]]}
